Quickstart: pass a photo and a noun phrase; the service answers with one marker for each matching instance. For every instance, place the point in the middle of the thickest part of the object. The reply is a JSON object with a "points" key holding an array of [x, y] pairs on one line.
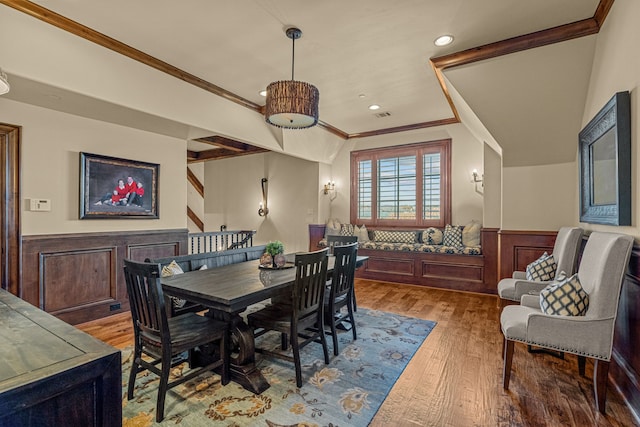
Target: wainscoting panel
{"points": [[79, 277], [625, 366], [519, 248], [69, 281]]}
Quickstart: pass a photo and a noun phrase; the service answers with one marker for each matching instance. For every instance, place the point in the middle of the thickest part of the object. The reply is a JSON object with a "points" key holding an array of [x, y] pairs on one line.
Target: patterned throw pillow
{"points": [[432, 236], [394, 236], [542, 270], [169, 270], [565, 298], [452, 236], [346, 229]]}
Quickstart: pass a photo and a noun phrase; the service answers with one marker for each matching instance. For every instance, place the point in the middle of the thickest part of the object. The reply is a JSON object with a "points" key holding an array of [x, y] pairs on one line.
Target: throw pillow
{"points": [[346, 229], [432, 236], [471, 234], [169, 270], [452, 236], [362, 233], [394, 236], [565, 298], [542, 270]]}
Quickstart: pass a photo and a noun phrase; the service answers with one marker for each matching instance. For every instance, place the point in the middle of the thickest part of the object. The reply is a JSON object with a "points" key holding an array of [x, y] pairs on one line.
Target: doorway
{"points": [[10, 238]]}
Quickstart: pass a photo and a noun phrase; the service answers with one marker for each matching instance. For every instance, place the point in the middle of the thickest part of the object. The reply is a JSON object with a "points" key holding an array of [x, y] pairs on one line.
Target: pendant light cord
{"points": [[293, 55]]}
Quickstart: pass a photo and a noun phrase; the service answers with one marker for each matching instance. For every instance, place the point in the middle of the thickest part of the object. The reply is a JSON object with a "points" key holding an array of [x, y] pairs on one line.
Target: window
{"points": [[404, 186]]}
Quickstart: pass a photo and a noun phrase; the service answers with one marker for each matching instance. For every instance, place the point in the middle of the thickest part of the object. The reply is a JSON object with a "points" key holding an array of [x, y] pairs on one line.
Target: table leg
{"points": [[243, 361]]}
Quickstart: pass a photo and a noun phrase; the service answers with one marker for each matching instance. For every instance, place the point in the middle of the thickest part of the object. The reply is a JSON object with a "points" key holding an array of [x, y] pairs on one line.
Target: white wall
{"points": [[539, 197], [467, 154], [51, 143], [492, 189], [616, 68], [233, 193]]}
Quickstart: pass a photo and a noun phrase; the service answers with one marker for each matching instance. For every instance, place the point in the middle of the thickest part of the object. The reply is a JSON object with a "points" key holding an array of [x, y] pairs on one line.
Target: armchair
{"points": [[601, 273], [565, 253]]}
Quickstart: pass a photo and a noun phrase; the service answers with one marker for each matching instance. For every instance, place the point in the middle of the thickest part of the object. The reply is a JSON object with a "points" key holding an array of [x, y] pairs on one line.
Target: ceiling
{"points": [[357, 53]]}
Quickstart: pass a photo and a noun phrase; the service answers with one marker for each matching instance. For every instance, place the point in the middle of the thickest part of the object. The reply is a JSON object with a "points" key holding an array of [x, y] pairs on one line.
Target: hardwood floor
{"points": [[455, 378]]}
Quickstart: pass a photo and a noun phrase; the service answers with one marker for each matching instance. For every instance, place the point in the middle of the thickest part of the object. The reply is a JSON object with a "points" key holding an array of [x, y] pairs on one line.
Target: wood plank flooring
{"points": [[455, 378]]}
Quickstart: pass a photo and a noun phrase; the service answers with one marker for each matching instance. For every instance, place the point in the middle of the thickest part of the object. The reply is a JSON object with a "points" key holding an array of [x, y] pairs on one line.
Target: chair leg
{"points": [[225, 349], [353, 322], [296, 360], [162, 388], [284, 341], [134, 372], [582, 360], [600, 377], [323, 340], [508, 357], [334, 333]]}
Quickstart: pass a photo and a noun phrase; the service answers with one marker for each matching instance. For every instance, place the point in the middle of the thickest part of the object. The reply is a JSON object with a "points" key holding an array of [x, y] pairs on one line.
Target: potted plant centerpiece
{"points": [[276, 250]]}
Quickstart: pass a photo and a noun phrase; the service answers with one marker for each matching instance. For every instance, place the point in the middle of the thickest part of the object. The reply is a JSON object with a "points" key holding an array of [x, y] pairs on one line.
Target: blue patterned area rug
{"points": [[347, 392]]}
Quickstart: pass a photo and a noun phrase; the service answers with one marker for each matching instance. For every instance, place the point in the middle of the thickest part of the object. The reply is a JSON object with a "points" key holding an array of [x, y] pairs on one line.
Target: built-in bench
{"points": [[195, 262], [464, 268]]}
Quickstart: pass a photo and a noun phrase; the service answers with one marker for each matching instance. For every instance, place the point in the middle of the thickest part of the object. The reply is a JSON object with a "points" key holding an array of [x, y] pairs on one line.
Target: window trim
{"points": [[442, 146]]}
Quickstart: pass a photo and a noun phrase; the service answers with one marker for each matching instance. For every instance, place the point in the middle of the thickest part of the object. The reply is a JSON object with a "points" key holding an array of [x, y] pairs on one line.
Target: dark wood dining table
{"points": [[228, 291]]}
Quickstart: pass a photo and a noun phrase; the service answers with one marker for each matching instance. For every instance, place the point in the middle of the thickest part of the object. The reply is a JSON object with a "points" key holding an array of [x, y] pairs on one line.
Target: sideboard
{"points": [[52, 374]]}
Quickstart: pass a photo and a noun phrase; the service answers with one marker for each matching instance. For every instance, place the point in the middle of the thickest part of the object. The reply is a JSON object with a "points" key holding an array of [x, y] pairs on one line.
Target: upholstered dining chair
{"points": [[565, 254], [333, 241], [601, 272], [162, 338], [341, 292], [298, 319]]}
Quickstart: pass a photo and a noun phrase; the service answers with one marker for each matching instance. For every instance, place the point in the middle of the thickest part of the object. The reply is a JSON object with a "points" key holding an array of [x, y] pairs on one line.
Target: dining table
{"points": [[227, 292]]}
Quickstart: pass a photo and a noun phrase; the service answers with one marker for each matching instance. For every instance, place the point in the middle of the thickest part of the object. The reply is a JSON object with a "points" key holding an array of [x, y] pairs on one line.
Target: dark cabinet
{"points": [[52, 374]]}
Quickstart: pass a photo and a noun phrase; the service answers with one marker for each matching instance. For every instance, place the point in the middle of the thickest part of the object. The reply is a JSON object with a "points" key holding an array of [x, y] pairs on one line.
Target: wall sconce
{"points": [[477, 178], [329, 186], [264, 210]]}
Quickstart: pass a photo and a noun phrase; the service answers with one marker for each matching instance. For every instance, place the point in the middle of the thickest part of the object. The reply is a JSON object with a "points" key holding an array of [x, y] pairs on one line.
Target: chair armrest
{"points": [[519, 275], [532, 301], [573, 334], [524, 287]]}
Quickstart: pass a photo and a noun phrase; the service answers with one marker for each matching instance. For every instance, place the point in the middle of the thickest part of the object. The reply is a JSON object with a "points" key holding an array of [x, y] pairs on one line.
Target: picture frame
{"points": [[605, 164], [102, 195]]}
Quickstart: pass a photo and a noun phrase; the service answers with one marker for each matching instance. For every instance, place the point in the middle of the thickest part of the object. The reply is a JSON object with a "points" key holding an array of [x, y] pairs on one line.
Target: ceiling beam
{"points": [[220, 153]]}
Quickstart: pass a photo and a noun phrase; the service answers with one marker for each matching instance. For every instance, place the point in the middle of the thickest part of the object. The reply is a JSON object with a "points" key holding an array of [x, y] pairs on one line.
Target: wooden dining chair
{"points": [[333, 241], [297, 320], [163, 338], [341, 292]]}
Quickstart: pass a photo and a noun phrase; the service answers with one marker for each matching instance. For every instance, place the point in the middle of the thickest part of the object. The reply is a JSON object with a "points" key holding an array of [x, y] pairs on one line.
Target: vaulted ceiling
{"points": [[518, 68]]}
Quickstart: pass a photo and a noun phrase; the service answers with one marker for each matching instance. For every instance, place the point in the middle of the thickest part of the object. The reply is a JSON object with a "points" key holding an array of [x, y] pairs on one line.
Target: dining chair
{"points": [[565, 254], [339, 241], [341, 292], [162, 338], [600, 274], [297, 320]]}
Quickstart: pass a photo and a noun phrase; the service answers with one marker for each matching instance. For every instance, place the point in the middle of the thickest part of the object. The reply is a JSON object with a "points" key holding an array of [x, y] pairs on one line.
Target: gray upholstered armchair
{"points": [[601, 272], [565, 253]]}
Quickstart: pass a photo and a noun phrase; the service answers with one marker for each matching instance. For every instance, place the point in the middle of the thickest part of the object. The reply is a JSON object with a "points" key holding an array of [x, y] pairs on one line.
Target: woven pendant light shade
{"points": [[292, 104]]}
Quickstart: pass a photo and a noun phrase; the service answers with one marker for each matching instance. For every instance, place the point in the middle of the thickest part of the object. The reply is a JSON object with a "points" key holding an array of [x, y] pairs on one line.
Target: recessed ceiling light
{"points": [[263, 92], [443, 40], [374, 107], [362, 95]]}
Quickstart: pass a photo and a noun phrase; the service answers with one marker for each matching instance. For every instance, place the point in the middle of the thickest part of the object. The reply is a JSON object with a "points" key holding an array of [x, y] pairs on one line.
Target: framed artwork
{"points": [[605, 164], [117, 188]]}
